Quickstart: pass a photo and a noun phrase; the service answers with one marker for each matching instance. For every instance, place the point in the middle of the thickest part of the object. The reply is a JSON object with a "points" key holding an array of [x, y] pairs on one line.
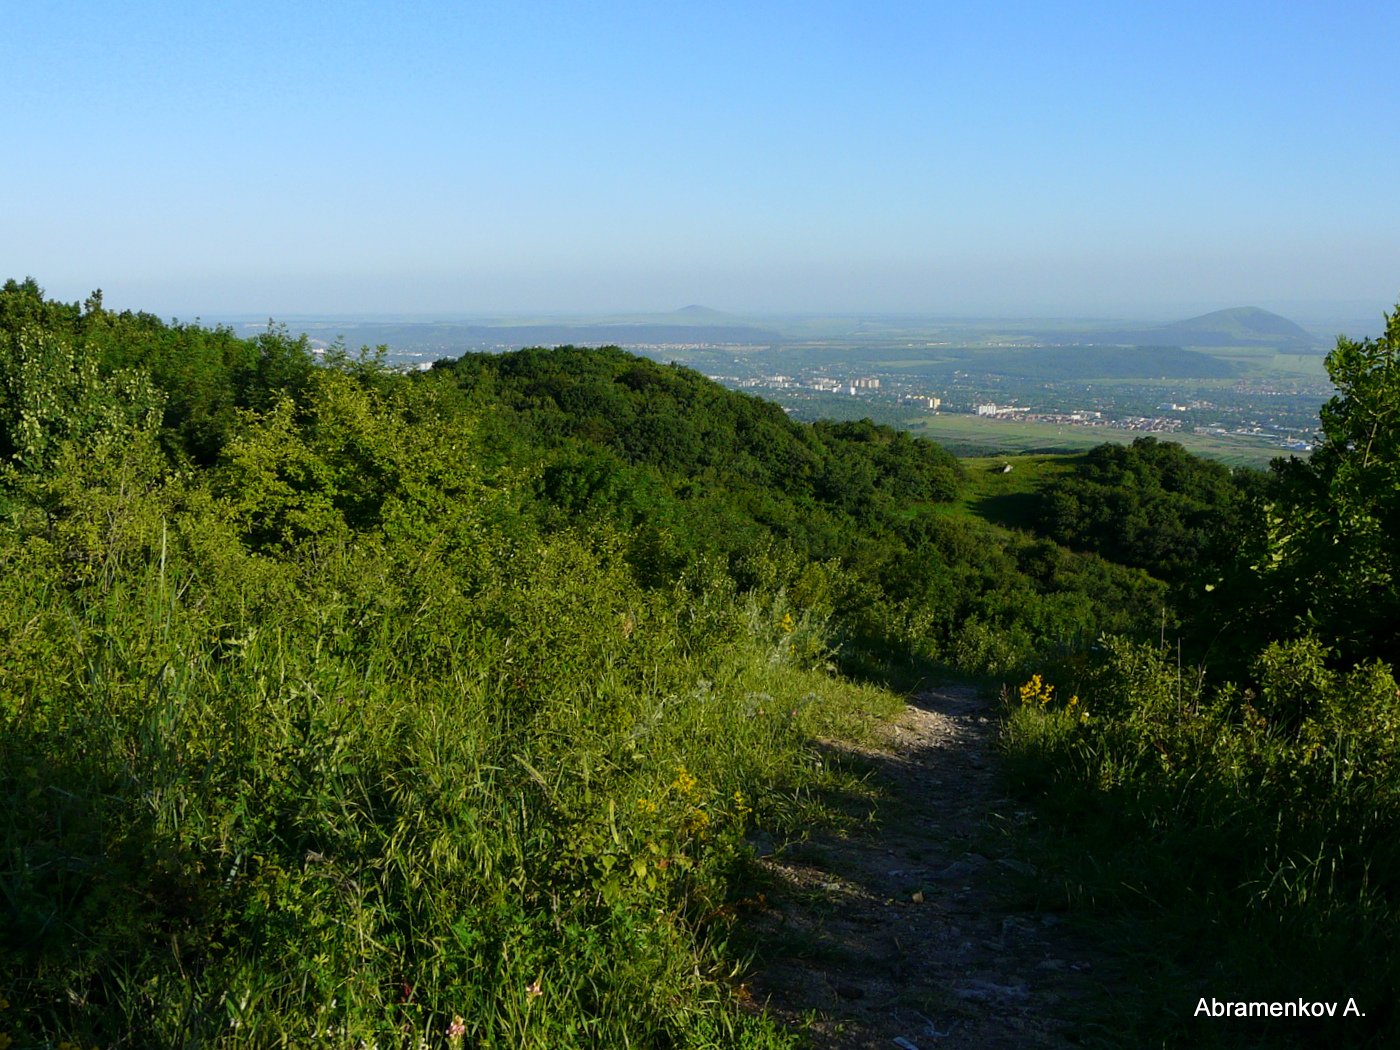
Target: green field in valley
{"points": [[1007, 497], [964, 433]]}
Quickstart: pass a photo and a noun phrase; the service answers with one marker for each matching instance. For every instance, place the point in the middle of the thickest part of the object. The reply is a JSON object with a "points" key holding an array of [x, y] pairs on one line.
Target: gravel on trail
{"points": [[920, 931]]}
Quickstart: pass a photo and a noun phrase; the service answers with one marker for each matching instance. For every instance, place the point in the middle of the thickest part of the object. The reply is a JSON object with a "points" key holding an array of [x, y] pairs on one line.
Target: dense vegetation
{"points": [[1233, 795], [346, 706], [1152, 505], [337, 704], [853, 512]]}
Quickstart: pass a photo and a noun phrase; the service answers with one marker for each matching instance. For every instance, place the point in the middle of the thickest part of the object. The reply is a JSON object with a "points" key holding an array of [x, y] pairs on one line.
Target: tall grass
{"points": [[450, 783], [1247, 839]]}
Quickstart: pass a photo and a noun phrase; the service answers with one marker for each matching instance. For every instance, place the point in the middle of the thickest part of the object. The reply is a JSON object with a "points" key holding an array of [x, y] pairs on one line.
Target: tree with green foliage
{"points": [[1151, 505], [1330, 546], [52, 391]]}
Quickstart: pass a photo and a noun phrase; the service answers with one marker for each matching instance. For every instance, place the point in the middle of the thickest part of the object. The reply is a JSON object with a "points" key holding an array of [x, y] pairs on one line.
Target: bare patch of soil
{"points": [[919, 932]]}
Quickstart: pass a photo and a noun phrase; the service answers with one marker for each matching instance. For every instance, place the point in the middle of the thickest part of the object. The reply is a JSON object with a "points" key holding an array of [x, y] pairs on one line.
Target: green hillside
{"points": [[338, 700], [344, 706], [1005, 490]]}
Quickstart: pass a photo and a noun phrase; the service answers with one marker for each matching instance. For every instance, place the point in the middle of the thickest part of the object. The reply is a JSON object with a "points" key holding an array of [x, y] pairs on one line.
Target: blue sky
{"points": [[1129, 159]]}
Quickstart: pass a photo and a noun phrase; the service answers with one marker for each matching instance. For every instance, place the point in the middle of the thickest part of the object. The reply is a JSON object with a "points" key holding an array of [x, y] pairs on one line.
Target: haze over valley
{"points": [[1241, 384]]}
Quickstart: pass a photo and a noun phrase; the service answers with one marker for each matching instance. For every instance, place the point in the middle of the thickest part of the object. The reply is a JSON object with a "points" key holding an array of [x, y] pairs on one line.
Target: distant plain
{"points": [[1246, 383]]}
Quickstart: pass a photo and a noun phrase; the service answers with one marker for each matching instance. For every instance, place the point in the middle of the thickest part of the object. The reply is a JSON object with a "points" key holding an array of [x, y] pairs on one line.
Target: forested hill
{"points": [[677, 420], [858, 511], [684, 469], [617, 430]]}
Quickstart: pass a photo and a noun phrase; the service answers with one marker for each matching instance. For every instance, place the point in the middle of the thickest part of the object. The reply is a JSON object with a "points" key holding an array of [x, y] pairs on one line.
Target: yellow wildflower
{"points": [[1036, 691]]}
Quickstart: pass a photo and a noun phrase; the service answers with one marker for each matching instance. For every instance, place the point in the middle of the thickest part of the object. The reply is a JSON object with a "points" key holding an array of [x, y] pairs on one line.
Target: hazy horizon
{"points": [[1037, 160], [1323, 320]]}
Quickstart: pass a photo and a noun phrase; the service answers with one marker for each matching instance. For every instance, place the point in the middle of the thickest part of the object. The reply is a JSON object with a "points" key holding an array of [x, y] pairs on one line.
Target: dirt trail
{"points": [[918, 933]]}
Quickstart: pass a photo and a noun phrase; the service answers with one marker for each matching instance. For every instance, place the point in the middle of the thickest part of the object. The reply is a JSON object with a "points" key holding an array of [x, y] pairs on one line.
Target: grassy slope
{"points": [[1003, 498]]}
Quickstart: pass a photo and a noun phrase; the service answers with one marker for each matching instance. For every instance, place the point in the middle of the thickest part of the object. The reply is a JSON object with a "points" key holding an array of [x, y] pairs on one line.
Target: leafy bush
{"points": [[1260, 821], [335, 744]]}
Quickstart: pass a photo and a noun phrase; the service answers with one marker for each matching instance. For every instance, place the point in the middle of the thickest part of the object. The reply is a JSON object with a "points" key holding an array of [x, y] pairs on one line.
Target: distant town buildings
{"points": [[1166, 417], [924, 401]]}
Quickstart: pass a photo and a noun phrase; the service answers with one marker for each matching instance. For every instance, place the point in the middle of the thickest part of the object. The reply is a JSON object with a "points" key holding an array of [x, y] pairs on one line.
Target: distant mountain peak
{"points": [[1246, 324], [1250, 319], [696, 310]]}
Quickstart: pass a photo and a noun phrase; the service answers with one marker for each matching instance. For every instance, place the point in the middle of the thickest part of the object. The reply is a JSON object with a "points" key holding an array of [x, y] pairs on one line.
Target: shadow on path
{"points": [[920, 932]]}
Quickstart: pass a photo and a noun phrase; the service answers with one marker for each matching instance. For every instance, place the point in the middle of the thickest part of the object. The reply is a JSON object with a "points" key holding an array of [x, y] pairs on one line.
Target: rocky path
{"points": [[918, 932]]}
